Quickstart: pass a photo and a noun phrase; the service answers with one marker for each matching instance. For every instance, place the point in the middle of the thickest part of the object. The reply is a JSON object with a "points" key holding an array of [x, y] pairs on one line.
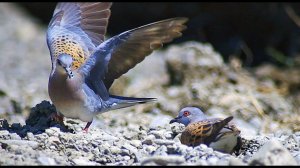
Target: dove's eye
{"points": [[186, 113]]}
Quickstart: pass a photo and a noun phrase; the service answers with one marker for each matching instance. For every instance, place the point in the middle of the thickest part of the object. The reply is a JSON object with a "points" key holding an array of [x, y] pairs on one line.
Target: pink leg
{"points": [[87, 126], [57, 117]]}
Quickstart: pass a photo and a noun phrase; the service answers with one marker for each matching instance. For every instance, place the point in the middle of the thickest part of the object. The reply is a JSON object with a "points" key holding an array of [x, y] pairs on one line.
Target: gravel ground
{"points": [[264, 103], [45, 142]]}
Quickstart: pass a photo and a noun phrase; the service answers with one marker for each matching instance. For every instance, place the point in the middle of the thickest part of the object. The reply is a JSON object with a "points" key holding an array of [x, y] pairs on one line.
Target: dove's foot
{"points": [[56, 117], [87, 126]]}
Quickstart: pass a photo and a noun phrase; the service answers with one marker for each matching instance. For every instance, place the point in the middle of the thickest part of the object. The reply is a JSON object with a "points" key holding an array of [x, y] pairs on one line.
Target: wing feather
{"points": [[122, 52], [204, 131]]}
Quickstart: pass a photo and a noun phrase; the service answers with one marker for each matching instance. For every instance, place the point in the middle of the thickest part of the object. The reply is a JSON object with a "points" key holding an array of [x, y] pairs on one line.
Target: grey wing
{"points": [[124, 51], [76, 29], [138, 43], [120, 53]]}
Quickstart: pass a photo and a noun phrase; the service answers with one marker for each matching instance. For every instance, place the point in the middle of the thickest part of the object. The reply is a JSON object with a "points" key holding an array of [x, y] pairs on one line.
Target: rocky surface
{"points": [[263, 101]]}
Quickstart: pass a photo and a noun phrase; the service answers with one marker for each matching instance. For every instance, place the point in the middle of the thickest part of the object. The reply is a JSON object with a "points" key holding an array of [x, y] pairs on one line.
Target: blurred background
{"points": [[255, 32]]}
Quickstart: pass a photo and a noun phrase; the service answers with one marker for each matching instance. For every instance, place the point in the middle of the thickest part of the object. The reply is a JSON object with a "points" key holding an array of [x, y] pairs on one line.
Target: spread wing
{"points": [[126, 50], [204, 131], [138, 43], [77, 29], [122, 52]]}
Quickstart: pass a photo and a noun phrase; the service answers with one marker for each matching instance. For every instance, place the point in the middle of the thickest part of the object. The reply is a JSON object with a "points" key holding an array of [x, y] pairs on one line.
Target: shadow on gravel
{"points": [[38, 121]]}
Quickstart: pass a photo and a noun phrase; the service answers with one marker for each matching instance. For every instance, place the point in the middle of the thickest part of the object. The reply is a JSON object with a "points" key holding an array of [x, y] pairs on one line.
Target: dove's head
{"points": [[188, 115], [64, 64]]}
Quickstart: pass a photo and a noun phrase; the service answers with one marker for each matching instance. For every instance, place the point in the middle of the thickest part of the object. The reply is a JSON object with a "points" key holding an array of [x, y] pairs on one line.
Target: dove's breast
{"points": [[68, 97]]}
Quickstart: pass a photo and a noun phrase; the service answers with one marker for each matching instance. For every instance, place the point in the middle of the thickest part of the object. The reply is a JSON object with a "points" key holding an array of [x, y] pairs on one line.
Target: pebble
{"points": [[30, 136], [163, 142], [158, 134], [83, 161], [212, 160], [115, 150], [54, 140], [131, 148], [15, 136], [43, 160], [21, 143], [148, 140], [273, 153], [136, 143], [150, 148], [235, 161], [162, 151], [4, 132], [164, 160]]}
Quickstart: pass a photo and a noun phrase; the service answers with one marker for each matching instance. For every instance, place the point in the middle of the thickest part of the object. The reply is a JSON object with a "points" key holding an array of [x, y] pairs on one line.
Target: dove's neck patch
{"points": [[70, 75]]}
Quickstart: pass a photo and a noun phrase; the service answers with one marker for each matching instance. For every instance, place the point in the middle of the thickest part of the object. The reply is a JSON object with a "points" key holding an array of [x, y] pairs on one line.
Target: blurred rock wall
{"points": [[256, 32], [24, 60]]}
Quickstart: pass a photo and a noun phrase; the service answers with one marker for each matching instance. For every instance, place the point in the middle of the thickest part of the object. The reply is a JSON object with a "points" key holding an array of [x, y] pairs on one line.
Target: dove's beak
{"points": [[175, 120], [69, 72]]}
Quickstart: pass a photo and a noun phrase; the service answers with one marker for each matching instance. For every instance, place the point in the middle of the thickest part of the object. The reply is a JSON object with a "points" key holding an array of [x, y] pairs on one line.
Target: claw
{"points": [[56, 117], [87, 127]]}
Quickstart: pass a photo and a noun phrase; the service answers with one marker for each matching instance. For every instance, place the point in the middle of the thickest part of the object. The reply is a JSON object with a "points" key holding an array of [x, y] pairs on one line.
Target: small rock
{"points": [[54, 140], [162, 151], [203, 146], [163, 142], [212, 160], [22, 143], [168, 135], [52, 147], [83, 161], [4, 132], [177, 138], [164, 160], [126, 158], [107, 137], [115, 150], [150, 148], [130, 148], [136, 143], [157, 134], [272, 153], [52, 131], [148, 140], [46, 160], [177, 128], [235, 161], [160, 121], [124, 152], [30, 136], [15, 136]]}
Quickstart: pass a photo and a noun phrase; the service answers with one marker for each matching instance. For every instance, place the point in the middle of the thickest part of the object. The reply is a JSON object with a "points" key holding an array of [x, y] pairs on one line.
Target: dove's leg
{"points": [[57, 117], [87, 126]]}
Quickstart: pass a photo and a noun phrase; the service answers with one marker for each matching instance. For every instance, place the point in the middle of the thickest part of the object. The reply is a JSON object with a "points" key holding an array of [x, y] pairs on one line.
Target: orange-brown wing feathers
{"points": [[195, 133], [204, 131]]}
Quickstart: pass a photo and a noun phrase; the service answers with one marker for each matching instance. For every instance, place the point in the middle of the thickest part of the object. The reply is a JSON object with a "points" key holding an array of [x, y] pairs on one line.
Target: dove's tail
{"points": [[218, 126], [117, 102], [221, 123]]}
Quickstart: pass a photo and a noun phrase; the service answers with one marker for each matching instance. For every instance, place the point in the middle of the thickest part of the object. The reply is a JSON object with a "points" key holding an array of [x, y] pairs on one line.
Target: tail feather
{"points": [[117, 102]]}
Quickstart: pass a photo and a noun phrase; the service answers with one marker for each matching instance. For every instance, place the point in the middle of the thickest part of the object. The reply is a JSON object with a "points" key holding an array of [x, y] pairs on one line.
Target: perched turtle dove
{"points": [[217, 133]]}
